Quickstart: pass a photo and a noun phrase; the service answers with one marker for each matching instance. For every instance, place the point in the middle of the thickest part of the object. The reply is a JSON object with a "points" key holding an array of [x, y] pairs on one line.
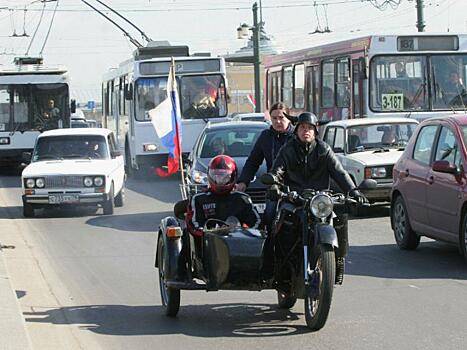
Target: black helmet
{"points": [[308, 118]]}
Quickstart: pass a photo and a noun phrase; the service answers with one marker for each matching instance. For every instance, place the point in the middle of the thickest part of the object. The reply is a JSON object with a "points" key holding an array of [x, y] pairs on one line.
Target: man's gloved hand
{"points": [[358, 196], [273, 193]]}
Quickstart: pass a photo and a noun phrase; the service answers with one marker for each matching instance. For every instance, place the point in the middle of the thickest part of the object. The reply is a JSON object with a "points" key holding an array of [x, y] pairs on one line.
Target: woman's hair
{"points": [[279, 105]]}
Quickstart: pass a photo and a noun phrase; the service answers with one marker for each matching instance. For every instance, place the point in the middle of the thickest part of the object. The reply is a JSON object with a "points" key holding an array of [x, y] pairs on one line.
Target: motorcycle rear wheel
{"points": [[170, 297], [317, 309]]}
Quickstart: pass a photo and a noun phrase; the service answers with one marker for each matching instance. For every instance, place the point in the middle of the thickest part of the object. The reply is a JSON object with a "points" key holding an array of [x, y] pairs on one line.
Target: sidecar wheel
{"points": [[170, 297], [286, 301], [317, 309]]}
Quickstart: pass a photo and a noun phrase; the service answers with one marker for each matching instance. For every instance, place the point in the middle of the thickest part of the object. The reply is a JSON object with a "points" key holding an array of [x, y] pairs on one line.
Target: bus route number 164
{"points": [[392, 102]]}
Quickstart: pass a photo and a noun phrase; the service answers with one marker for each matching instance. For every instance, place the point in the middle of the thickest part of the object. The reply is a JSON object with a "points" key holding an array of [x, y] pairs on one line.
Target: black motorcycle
{"points": [[302, 249]]}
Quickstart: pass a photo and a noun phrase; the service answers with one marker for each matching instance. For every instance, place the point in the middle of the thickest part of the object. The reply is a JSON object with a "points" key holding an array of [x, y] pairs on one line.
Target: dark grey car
{"points": [[235, 139]]}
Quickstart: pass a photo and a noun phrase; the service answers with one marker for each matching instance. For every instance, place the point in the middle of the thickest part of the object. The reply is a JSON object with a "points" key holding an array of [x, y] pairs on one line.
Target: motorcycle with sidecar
{"points": [[303, 248]]}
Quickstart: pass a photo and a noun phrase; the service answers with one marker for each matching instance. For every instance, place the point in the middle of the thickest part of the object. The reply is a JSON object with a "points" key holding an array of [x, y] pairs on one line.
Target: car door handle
{"points": [[431, 179]]}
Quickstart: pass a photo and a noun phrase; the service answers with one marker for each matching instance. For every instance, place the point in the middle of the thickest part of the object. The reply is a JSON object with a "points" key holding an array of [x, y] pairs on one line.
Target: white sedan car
{"points": [[72, 167], [368, 148]]}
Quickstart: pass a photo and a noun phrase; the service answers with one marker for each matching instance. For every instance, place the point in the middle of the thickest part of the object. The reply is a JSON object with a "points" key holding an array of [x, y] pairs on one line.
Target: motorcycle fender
{"points": [[326, 234], [172, 247]]}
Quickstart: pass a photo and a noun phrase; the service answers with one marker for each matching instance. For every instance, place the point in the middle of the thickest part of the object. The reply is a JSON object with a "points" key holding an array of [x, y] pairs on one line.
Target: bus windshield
{"points": [[201, 96], [33, 106], [398, 83], [448, 74]]}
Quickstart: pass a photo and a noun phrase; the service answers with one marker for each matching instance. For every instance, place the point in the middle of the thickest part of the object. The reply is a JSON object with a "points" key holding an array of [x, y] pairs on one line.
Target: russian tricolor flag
{"points": [[166, 120]]}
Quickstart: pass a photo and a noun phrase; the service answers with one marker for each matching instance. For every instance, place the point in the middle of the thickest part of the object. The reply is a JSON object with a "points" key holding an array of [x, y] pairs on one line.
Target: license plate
{"points": [[63, 198], [260, 207]]}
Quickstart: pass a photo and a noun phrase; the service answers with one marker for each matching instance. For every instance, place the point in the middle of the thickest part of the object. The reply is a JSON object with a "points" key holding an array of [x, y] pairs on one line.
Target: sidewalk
{"points": [[13, 334]]}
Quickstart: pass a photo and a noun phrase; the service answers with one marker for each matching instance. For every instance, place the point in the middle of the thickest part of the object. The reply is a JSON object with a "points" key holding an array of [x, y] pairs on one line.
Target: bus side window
{"points": [[327, 81], [287, 85]]}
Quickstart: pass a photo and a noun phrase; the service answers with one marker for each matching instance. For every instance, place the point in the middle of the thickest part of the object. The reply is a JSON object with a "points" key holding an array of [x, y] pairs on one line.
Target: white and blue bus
{"points": [[140, 84], [33, 98]]}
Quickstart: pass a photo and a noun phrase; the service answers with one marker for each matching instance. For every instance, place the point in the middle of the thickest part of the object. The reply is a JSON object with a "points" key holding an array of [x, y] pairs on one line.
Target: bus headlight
{"points": [[88, 181], [30, 183], [149, 147], [4, 140], [98, 181], [40, 183], [321, 205]]}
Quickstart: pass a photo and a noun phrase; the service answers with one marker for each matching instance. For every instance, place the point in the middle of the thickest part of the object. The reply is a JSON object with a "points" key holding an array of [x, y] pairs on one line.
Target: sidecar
{"points": [[226, 258]]}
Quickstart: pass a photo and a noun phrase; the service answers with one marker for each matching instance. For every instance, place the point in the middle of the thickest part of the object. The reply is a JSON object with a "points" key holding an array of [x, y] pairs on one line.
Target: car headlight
{"points": [[30, 183], [88, 181], [199, 177], [321, 205], [40, 183], [375, 173], [98, 181]]}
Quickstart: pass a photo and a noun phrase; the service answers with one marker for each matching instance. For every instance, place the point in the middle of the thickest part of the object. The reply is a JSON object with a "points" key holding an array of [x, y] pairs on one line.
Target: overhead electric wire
{"points": [[132, 40], [143, 34], [35, 31], [48, 31]]}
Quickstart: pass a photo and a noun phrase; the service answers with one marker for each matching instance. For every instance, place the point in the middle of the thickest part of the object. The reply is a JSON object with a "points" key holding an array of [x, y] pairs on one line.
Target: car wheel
{"points": [[120, 197], [108, 205], [405, 237], [463, 237], [28, 210]]}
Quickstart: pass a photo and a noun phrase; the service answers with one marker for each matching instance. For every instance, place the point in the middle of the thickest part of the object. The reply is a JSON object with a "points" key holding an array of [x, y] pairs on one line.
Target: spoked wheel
{"points": [[170, 297], [317, 307], [405, 237], [286, 300]]}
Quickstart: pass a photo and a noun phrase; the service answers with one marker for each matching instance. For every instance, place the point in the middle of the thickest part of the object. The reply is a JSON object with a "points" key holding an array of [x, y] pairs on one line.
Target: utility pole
{"points": [[257, 61], [420, 21]]}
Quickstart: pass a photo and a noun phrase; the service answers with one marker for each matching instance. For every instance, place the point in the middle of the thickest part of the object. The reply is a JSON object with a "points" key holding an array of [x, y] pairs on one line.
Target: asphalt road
{"points": [[87, 281]]}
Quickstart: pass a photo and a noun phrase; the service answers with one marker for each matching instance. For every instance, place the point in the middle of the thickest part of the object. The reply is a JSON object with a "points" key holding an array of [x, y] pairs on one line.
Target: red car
{"points": [[429, 194]]}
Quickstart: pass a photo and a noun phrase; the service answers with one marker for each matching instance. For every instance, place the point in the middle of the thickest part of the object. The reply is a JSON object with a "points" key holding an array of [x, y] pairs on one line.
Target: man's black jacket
{"points": [[303, 166], [266, 147]]}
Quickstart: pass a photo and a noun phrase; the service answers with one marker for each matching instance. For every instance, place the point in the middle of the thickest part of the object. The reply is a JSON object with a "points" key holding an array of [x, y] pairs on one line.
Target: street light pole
{"points": [[256, 57], [420, 20]]}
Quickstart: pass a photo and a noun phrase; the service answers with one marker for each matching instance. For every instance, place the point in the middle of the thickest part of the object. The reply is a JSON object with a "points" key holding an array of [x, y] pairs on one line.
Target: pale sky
{"points": [[88, 45]]}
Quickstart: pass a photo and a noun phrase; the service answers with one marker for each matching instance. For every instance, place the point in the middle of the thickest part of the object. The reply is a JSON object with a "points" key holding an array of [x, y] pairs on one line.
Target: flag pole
{"points": [[182, 170]]}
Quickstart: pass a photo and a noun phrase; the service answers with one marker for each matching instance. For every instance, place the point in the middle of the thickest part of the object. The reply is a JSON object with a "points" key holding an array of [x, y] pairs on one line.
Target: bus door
{"points": [[312, 82], [357, 89]]}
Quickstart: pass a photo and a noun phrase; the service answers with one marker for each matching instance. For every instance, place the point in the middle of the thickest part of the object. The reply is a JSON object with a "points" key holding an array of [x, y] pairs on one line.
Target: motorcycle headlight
{"points": [[30, 183], [375, 173], [40, 183], [321, 205], [98, 181], [199, 177], [88, 181]]}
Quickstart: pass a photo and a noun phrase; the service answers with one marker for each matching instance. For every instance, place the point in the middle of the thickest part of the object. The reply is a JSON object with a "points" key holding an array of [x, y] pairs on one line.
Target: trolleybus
{"points": [[420, 76], [33, 98], [139, 85]]}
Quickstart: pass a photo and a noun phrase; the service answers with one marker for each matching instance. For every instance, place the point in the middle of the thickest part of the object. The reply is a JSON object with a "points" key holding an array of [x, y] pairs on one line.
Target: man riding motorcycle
{"points": [[219, 202], [306, 162]]}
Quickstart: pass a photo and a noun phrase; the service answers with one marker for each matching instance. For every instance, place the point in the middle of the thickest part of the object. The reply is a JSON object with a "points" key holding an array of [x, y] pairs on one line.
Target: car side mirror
{"points": [[73, 106], [26, 157], [115, 154], [443, 166]]}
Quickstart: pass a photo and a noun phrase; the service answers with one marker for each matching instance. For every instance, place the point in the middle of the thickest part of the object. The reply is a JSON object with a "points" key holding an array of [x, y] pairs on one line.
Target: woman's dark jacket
{"points": [[266, 148]]}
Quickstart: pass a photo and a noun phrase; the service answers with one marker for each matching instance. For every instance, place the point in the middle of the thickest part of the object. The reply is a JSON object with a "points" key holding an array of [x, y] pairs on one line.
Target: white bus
{"points": [[419, 75], [139, 85], [33, 98]]}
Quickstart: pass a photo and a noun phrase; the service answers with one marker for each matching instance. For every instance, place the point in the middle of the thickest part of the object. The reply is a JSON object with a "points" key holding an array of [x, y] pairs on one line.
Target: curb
{"points": [[13, 333]]}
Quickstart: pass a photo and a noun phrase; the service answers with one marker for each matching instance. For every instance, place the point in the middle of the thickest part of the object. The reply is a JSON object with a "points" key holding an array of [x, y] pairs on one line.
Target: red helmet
{"points": [[222, 174]]}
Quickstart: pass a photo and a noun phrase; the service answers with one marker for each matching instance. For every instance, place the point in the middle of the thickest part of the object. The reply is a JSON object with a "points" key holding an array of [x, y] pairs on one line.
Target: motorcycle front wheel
{"points": [[170, 297], [317, 308]]}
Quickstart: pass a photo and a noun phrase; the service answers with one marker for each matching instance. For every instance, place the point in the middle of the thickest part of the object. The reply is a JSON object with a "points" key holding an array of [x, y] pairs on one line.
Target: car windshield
{"points": [[379, 136], [70, 147], [232, 142]]}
